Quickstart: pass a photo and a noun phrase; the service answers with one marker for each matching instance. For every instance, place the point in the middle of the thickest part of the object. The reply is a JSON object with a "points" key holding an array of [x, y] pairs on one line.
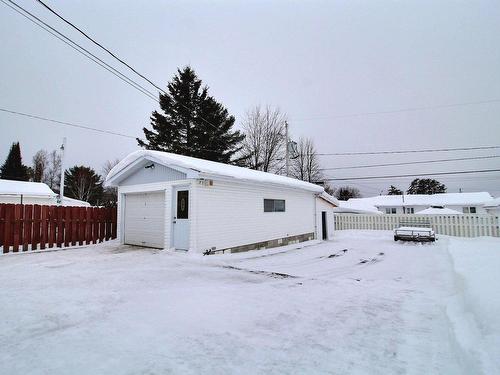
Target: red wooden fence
{"points": [[25, 227]]}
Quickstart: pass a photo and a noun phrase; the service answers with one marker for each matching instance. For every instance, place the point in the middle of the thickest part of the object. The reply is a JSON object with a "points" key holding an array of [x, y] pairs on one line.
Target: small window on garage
{"points": [[274, 205]]}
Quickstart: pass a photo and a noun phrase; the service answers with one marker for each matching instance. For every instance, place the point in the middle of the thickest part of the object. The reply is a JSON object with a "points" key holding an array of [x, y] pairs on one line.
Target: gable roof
{"points": [[442, 199], [205, 168], [34, 189], [439, 211]]}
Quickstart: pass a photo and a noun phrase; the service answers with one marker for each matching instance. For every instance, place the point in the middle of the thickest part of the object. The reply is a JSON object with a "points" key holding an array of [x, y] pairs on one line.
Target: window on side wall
{"points": [[469, 210], [410, 210], [390, 210], [274, 205]]}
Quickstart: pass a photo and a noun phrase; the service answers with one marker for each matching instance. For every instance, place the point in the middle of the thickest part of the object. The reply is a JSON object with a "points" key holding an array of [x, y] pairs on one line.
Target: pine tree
{"points": [[13, 168], [393, 190], [192, 122], [344, 193], [426, 186], [83, 183]]}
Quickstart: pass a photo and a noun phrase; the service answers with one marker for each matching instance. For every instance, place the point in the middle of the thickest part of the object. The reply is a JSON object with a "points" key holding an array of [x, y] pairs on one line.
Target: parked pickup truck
{"points": [[414, 233]]}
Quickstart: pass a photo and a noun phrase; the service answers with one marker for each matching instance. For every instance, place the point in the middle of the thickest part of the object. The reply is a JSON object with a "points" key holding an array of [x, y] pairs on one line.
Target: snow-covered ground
{"points": [[361, 304]]}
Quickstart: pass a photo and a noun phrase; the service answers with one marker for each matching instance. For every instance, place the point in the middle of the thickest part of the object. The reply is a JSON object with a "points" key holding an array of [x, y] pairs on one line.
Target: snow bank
{"points": [[474, 310]]}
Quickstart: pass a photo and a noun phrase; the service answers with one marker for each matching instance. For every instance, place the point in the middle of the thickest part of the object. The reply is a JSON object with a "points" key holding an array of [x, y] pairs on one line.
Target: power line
{"points": [[100, 45], [67, 123], [119, 59], [411, 162], [414, 109], [412, 175], [409, 151], [83, 51]]}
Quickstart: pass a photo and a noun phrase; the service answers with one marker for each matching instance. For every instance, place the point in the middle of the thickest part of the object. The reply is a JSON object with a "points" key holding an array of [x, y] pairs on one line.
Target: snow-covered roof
{"points": [[439, 211], [358, 207], [329, 198], [493, 203], [442, 199], [34, 189], [209, 168], [74, 202]]}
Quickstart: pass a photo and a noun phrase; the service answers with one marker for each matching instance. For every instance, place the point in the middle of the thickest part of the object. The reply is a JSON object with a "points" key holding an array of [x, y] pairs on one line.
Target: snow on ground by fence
{"points": [[452, 225]]}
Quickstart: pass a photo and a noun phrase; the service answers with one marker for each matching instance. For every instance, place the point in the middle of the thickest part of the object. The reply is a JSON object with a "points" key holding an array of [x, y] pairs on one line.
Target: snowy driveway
{"points": [[377, 308]]}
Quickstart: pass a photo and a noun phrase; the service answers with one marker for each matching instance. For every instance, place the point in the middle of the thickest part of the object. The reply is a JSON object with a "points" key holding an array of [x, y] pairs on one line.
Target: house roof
{"points": [[439, 211], [492, 203], [329, 198], [442, 199], [357, 207], [34, 189], [207, 168]]}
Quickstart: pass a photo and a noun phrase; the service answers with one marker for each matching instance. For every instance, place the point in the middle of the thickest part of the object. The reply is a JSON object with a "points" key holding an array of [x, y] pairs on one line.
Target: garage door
{"points": [[145, 219]]}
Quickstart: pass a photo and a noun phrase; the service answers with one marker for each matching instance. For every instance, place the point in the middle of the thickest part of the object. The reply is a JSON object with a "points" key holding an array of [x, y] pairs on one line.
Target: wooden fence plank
{"points": [[44, 226], [36, 226], [7, 236], [113, 222], [60, 226], [67, 226], [95, 226], [17, 228], [74, 226], [81, 225], [101, 225], [52, 226], [88, 231], [2, 223], [28, 226]]}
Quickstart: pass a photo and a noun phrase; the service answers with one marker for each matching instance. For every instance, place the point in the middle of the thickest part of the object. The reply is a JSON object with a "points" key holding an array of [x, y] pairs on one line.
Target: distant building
{"points": [[33, 193], [462, 203]]}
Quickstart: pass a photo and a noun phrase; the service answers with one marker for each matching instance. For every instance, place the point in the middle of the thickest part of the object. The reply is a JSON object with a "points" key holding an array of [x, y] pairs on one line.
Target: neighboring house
{"points": [[179, 202], [493, 206], [467, 203], [348, 207], [33, 193]]}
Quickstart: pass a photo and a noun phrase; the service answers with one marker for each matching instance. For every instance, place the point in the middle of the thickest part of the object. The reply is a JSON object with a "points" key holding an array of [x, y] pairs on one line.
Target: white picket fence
{"points": [[467, 225]]}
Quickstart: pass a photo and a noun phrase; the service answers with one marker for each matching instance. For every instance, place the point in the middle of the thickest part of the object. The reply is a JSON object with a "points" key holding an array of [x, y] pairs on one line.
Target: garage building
{"points": [[178, 202]]}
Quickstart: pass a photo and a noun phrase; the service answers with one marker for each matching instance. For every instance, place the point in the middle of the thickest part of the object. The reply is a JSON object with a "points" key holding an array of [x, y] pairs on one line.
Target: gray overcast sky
{"points": [[313, 59]]}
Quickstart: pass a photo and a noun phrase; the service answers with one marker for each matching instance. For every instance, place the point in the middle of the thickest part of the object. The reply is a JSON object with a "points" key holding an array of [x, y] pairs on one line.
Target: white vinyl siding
{"points": [[322, 206], [231, 214]]}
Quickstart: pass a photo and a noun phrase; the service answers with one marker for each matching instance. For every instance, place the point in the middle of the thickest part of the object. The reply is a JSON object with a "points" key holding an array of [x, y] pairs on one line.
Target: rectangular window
{"points": [[274, 205], [469, 210], [390, 210], [410, 210], [182, 204]]}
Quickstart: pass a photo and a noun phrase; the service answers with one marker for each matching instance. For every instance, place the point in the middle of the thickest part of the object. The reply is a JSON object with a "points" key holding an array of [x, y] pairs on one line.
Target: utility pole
{"points": [[287, 153], [61, 186]]}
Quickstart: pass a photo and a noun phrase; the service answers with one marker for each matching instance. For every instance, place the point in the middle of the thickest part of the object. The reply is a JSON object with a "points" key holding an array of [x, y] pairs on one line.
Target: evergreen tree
{"points": [[393, 190], [83, 183], [13, 168], [426, 186], [347, 192], [192, 122]]}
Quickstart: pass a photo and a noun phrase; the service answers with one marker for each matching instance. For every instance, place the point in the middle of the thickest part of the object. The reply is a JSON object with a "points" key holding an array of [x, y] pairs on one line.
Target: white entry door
{"points": [[144, 219], [181, 218]]}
